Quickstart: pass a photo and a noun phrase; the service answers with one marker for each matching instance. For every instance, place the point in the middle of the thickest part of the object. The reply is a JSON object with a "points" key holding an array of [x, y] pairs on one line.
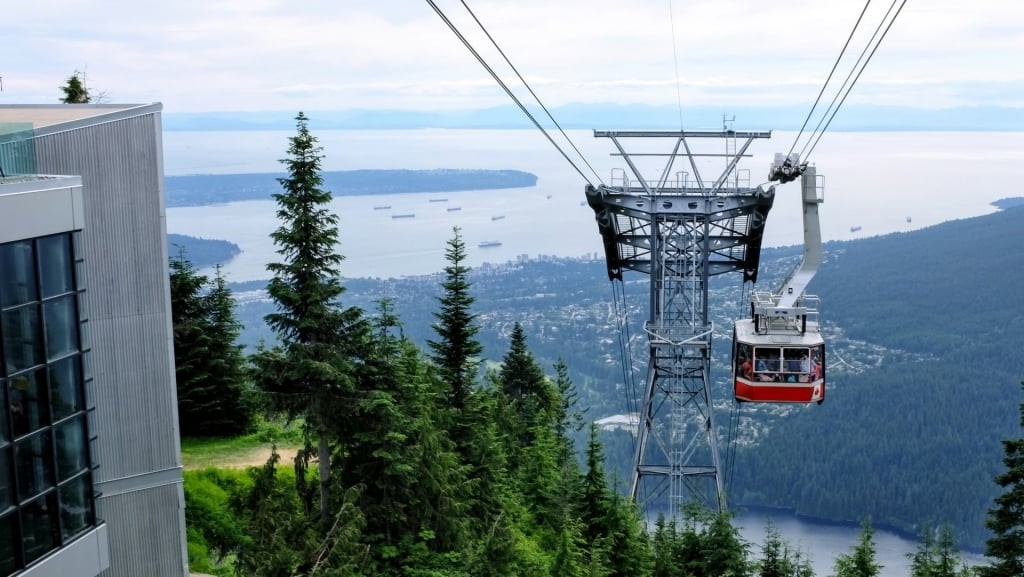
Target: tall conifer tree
{"points": [[310, 373], [938, 556], [861, 561], [213, 395], [1006, 519], [457, 349]]}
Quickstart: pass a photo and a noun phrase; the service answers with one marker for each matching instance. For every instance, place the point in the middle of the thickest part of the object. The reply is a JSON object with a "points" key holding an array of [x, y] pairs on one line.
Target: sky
{"points": [[249, 55]]}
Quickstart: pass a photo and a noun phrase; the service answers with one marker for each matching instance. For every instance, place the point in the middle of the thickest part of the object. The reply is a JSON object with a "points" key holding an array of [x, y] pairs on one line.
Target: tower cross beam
{"points": [[680, 236]]}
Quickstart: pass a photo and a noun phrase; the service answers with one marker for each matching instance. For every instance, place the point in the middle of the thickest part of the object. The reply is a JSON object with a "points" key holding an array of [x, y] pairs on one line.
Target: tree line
{"points": [[413, 464]]}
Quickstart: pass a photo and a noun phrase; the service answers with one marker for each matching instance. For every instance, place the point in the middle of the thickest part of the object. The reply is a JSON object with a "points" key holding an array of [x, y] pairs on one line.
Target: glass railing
{"points": [[17, 149]]}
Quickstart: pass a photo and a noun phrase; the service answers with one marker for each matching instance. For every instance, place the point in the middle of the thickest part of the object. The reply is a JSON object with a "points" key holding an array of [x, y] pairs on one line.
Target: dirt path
{"points": [[253, 457]]}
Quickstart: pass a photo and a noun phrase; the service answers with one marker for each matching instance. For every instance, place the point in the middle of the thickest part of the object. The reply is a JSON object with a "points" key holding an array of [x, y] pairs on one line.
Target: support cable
{"points": [[505, 87], [847, 93], [829, 79], [532, 93], [675, 59], [627, 383], [624, 357], [730, 451], [735, 420], [629, 344]]}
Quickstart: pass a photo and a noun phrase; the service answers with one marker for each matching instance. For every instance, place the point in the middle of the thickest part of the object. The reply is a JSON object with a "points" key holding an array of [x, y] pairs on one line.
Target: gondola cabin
{"points": [[781, 361]]}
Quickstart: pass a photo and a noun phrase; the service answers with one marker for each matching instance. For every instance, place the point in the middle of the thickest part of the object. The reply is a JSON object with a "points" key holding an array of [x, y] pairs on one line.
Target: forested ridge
{"points": [[912, 437], [912, 440], [202, 252], [206, 189]]}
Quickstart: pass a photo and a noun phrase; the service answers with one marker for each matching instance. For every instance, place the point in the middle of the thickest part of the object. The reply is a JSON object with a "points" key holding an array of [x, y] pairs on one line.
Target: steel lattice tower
{"points": [[680, 231]]}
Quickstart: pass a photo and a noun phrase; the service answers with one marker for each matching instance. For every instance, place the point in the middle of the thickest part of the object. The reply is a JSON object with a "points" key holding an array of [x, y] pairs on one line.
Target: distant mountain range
{"points": [[612, 116]]}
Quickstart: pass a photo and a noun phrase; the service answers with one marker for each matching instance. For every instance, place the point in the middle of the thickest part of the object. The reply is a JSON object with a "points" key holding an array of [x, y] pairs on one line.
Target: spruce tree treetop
{"points": [[861, 562], [75, 91], [521, 376], [306, 285], [456, 350]]}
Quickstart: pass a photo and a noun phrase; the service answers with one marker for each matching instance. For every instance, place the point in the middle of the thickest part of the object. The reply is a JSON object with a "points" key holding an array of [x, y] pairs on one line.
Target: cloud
{"points": [[318, 54]]}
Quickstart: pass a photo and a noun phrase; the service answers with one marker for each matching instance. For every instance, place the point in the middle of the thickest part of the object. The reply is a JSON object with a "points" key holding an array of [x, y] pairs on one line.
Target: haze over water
{"points": [[872, 180]]}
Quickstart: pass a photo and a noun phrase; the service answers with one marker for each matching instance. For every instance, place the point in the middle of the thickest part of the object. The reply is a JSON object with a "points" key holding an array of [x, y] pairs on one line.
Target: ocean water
{"points": [[879, 182]]}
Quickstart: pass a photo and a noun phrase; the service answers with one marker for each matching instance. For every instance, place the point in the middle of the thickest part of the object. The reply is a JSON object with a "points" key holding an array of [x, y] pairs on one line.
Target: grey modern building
{"points": [[90, 460]]}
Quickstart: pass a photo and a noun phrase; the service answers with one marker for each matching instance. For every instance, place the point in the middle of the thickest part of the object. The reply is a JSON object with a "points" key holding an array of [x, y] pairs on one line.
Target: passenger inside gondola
{"points": [[746, 368]]}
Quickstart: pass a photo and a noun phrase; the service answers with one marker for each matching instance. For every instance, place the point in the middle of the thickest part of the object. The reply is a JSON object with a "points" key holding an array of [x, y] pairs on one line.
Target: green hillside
{"points": [[916, 438], [926, 337]]}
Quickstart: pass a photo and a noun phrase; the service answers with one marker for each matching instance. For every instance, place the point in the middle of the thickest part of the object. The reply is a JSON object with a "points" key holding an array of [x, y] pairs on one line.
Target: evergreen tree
{"points": [[490, 489], [566, 420], [467, 413], [227, 372], [569, 558], [802, 565], [566, 423], [457, 349], [708, 545], [521, 376], [282, 541], [399, 455], [528, 406], [777, 559], [774, 562], [75, 91], [663, 544], [937, 556], [277, 532], [629, 550], [861, 562], [311, 372], [540, 481], [213, 396], [1006, 519], [594, 503]]}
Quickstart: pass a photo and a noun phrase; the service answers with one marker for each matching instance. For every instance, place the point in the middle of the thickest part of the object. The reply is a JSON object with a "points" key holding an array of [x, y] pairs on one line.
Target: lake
{"points": [[875, 181], [823, 542]]}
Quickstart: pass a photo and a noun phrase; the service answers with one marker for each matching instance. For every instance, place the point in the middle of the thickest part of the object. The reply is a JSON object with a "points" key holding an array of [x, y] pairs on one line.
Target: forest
{"points": [[206, 189], [910, 431], [462, 455], [201, 252]]}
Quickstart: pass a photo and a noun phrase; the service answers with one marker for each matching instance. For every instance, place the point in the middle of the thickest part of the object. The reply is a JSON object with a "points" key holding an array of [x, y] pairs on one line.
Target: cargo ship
{"points": [[499, 217], [407, 215], [439, 200], [382, 207], [854, 228], [454, 208]]}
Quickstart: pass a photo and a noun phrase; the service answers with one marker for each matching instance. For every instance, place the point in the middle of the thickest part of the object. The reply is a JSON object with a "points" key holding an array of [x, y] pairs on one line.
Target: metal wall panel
{"points": [[119, 158], [143, 542], [39, 208]]}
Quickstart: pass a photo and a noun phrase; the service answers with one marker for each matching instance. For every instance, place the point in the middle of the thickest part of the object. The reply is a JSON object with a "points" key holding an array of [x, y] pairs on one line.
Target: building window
{"points": [[46, 491]]}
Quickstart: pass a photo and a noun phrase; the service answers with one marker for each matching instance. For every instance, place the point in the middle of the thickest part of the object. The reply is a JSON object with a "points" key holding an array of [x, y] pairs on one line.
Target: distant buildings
{"points": [[90, 462], [626, 422]]}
